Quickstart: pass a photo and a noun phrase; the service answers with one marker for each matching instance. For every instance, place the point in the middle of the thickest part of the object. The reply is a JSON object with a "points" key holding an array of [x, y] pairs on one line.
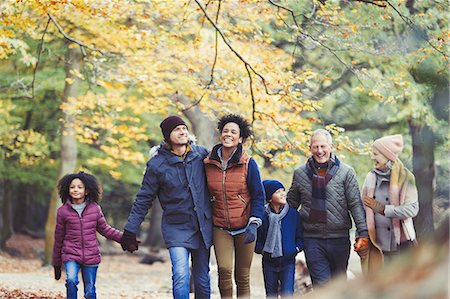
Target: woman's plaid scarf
{"points": [[318, 212]]}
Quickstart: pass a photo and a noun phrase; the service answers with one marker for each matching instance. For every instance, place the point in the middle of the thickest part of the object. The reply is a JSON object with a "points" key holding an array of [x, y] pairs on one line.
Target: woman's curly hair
{"points": [[91, 184], [244, 126]]}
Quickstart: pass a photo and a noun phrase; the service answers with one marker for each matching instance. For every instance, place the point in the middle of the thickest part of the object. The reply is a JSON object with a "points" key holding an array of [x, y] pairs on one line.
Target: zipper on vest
{"points": [[82, 238], [225, 199]]}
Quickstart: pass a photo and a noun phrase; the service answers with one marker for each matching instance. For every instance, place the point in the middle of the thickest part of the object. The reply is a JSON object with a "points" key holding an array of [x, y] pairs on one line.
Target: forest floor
{"points": [[120, 275], [425, 273]]}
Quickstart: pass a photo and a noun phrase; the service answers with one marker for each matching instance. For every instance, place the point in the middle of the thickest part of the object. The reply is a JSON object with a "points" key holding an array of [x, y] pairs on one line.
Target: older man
{"points": [[176, 176], [326, 190]]}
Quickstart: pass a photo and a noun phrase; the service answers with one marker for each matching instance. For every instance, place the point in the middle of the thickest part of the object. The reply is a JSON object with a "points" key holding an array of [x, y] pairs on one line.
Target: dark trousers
{"points": [[278, 279], [326, 258]]}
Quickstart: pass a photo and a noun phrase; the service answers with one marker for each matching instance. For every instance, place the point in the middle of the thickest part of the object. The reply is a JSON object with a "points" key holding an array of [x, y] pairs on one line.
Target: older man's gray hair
{"points": [[324, 133]]}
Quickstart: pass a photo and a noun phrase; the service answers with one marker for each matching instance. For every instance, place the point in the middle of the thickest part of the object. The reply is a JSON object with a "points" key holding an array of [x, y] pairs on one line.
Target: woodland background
{"points": [[84, 85]]}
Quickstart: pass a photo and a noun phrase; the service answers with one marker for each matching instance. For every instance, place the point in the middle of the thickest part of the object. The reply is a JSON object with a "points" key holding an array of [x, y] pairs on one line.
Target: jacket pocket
{"points": [[242, 199]]}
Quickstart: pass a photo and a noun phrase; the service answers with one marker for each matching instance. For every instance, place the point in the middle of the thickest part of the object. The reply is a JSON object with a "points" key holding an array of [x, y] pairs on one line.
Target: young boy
{"points": [[279, 240]]}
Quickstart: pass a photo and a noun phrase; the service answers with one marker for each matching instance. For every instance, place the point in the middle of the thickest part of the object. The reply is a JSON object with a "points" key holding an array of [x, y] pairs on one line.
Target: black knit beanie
{"points": [[170, 123]]}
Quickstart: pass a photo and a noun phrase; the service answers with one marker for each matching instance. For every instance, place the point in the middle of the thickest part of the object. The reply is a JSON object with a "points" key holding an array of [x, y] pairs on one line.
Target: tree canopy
{"points": [[360, 68]]}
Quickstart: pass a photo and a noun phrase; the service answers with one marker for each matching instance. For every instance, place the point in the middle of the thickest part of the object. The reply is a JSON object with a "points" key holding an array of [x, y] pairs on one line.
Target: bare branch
{"points": [[74, 40], [216, 43], [40, 49], [196, 102], [278, 126], [224, 38], [251, 93], [337, 83], [376, 3], [411, 24], [331, 50], [372, 125]]}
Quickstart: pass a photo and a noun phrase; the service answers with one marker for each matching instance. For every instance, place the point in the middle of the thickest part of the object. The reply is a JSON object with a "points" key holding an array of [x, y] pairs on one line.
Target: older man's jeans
{"points": [[179, 257], [88, 273], [326, 258]]}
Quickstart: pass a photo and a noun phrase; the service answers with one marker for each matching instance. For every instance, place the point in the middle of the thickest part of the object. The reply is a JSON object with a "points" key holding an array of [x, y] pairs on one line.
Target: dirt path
{"points": [[120, 275]]}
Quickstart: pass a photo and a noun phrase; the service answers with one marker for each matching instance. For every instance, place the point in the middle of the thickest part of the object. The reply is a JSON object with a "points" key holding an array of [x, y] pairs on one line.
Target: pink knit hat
{"points": [[389, 146]]}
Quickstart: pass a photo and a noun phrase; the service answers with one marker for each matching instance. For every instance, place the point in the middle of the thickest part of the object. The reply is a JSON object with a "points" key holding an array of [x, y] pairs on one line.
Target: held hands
{"points": [[361, 247], [57, 272], [250, 233], [375, 205], [129, 241]]}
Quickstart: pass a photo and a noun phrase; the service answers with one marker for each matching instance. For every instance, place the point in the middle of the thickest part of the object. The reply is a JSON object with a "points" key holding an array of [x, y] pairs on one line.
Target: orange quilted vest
{"points": [[228, 188]]}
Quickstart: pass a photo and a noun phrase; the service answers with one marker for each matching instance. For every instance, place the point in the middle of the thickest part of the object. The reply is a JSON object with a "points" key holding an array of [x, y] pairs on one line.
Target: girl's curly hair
{"points": [[91, 184], [244, 126]]}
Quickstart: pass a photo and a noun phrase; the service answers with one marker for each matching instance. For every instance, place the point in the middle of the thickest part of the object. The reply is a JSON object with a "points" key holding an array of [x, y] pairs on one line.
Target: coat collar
{"points": [[240, 156], [173, 158]]}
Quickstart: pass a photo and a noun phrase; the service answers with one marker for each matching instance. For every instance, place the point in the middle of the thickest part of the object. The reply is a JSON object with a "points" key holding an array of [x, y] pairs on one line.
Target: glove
{"points": [[129, 241], [375, 205], [250, 233], [57, 272], [361, 247]]}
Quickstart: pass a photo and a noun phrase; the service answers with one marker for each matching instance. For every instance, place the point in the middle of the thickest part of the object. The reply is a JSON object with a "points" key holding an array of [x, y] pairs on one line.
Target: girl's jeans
{"points": [[88, 273]]}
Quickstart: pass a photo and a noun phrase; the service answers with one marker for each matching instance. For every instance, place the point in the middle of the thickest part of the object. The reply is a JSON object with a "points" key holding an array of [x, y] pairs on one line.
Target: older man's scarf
{"points": [[318, 212]]}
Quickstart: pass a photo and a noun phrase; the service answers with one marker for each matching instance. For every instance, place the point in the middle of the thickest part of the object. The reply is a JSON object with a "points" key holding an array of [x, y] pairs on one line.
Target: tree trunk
{"points": [[6, 228], [20, 209], [154, 236], [203, 128], [423, 143], [68, 145]]}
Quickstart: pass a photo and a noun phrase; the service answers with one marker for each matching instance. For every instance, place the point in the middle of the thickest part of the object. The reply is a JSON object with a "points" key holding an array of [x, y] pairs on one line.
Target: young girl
{"points": [[77, 221], [280, 238]]}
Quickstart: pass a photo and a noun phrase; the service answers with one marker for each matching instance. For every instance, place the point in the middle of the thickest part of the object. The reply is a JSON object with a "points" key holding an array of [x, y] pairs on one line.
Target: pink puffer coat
{"points": [[76, 237]]}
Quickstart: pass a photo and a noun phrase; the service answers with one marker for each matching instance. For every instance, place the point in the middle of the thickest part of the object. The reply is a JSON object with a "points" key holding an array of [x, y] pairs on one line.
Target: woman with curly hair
{"points": [[234, 183], [77, 223]]}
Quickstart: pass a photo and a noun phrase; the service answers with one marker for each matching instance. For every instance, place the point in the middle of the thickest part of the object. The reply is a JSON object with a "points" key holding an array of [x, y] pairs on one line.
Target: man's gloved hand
{"points": [[361, 247], [250, 233], [57, 272], [129, 241], [375, 205]]}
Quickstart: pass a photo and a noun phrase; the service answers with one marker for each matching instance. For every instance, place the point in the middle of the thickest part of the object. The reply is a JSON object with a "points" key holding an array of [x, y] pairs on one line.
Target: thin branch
{"points": [[337, 83], [331, 50], [196, 102], [232, 49], [371, 2], [211, 81], [413, 27], [251, 93], [278, 126], [216, 43], [40, 49], [74, 40]]}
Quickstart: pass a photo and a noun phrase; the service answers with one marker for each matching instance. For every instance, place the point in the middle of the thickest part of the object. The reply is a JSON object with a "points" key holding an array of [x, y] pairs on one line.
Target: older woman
{"points": [[237, 204], [390, 199]]}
